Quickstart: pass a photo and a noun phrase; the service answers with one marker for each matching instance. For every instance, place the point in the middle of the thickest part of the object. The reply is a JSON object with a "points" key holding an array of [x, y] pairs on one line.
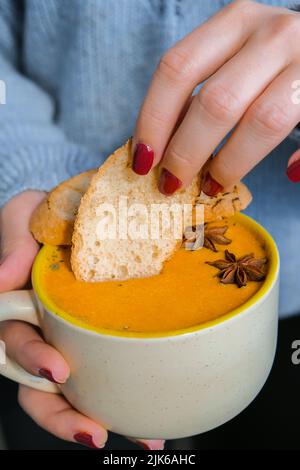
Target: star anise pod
{"points": [[208, 237], [215, 234], [239, 271]]}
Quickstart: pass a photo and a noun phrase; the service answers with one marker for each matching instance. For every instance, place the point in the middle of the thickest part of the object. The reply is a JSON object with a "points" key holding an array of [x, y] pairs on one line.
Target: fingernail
{"points": [[144, 446], [168, 183], [86, 439], [47, 374], [210, 186], [293, 172], [142, 159]]}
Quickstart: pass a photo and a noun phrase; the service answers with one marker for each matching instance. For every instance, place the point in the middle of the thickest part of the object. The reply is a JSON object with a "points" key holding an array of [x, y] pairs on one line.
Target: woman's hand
{"points": [[24, 344], [249, 56]]}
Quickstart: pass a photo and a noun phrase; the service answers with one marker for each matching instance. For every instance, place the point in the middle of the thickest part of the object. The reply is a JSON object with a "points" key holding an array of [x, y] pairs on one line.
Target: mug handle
{"points": [[21, 305]]}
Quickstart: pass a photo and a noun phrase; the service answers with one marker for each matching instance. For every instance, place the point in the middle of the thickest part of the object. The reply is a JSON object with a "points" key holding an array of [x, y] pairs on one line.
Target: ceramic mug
{"points": [[167, 386]]}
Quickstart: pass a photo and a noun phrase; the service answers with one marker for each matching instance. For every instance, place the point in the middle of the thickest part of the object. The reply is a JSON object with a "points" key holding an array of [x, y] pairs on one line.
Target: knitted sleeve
{"points": [[34, 151]]}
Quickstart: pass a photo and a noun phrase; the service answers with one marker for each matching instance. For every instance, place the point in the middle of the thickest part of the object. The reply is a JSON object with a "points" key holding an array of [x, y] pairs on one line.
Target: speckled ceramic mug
{"points": [[167, 386]]}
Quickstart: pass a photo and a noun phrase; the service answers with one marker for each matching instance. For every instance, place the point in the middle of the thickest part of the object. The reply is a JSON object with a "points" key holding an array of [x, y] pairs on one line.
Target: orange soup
{"points": [[187, 293]]}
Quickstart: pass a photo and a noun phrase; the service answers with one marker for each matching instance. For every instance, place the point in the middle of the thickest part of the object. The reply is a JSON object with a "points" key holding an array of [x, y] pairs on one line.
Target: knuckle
{"points": [[180, 158], [176, 65], [25, 346], [241, 6], [269, 119], [9, 332], [157, 116], [242, 3], [285, 25], [225, 172], [218, 102]]}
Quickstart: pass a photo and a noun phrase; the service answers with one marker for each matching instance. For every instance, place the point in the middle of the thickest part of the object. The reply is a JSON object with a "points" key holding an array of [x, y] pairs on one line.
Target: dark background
{"points": [[270, 422]]}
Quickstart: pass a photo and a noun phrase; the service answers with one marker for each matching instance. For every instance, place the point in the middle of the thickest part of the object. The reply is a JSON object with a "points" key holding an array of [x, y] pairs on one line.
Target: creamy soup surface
{"points": [[186, 293]]}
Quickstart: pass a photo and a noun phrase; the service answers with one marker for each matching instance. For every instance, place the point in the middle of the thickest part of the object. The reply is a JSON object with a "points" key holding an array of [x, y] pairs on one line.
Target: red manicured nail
{"points": [[168, 183], [210, 186], [86, 439], [142, 159], [293, 172], [144, 446], [47, 374]]}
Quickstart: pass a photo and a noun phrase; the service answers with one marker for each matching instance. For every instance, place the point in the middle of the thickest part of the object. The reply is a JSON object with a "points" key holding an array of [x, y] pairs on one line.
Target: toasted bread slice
{"points": [[225, 204], [53, 220], [95, 258]]}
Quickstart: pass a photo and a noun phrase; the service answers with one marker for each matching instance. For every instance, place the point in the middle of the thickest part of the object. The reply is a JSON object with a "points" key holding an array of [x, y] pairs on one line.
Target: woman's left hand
{"points": [[25, 345], [249, 55]]}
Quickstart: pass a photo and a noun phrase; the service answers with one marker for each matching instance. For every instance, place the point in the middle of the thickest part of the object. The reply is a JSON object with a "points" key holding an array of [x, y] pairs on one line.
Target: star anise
{"points": [[214, 234], [208, 237], [239, 271]]}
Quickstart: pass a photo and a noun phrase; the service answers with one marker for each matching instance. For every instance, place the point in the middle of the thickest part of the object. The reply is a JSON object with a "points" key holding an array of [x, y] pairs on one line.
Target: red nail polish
{"points": [[210, 186], [144, 445], [168, 183], [142, 159], [293, 172], [86, 439], [47, 374]]}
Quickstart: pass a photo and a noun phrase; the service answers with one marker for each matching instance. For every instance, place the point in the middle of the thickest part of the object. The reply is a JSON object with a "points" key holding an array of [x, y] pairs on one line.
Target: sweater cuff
{"points": [[42, 166]]}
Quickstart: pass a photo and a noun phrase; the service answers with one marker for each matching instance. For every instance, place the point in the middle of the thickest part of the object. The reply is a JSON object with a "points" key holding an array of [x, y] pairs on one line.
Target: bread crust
{"points": [[77, 242], [52, 221], [225, 204]]}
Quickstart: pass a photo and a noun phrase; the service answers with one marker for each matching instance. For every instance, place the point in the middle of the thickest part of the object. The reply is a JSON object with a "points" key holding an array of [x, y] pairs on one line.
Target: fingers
{"points": [[53, 413], [293, 169], [26, 347], [220, 104], [188, 63], [15, 215], [18, 248], [16, 265], [266, 123]]}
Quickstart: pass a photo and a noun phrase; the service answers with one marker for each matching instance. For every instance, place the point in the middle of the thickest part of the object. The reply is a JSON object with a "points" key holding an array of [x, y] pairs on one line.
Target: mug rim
{"points": [[254, 301]]}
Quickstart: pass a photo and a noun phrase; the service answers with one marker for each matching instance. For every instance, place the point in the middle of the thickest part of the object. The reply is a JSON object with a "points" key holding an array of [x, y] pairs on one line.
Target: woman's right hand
{"points": [[25, 345]]}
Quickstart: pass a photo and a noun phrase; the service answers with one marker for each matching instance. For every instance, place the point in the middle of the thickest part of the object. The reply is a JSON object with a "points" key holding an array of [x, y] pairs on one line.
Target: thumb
{"points": [[293, 169], [18, 248], [16, 265]]}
